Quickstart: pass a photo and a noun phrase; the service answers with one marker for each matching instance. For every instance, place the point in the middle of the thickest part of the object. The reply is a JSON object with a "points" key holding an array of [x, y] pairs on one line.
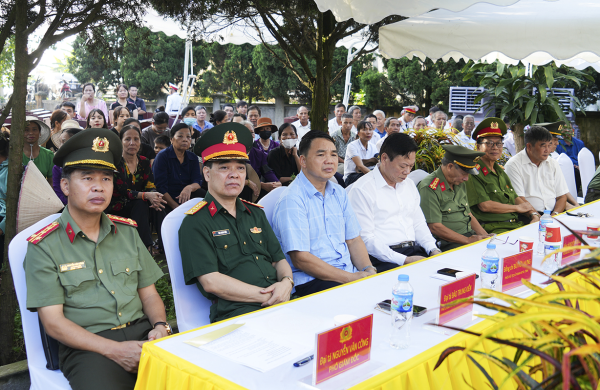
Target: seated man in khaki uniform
{"points": [[89, 275], [444, 199], [228, 248]]}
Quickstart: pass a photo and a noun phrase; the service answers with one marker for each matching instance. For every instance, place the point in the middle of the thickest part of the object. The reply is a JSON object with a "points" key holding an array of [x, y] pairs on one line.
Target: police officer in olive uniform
{"points": [[444, 199], [90, 277], [228, 248], [492, 197]]}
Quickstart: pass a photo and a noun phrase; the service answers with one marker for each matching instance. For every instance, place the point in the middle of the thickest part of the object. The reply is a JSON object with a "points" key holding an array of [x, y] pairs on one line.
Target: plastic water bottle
{"points": [[544, 220], [402, 312], [490, 263]]}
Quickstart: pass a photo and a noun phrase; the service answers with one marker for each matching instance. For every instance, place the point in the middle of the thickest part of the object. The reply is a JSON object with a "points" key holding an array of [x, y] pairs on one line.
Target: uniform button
{"points": [[83, 235], [126, 269], [224, 211], [260, 242], [119, 314], [256, 257], [494, 190], [244, 242], [449, 209], [100, 271], [267, 277], [112, 292], [225, 247]]}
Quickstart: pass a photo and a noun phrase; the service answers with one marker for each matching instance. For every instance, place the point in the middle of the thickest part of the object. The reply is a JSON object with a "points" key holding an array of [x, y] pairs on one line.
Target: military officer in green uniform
{"points": [[492, 198], [444, 199], [89, 276], [228, 248]]}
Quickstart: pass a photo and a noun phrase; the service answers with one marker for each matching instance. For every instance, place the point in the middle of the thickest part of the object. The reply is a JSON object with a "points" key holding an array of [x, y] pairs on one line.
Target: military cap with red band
{"points": [[489, 127], [227, 141], [410, 110]]}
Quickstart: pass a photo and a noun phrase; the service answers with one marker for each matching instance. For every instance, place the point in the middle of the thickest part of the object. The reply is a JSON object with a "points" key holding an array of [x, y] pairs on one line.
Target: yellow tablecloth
{"points": [[162, 370]]}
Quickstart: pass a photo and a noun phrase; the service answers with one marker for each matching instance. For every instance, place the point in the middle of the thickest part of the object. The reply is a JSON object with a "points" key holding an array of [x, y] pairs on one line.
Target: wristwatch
{"points": [[535, 213], [167, 326], [369, 266], [290, 279], [554, 213]]}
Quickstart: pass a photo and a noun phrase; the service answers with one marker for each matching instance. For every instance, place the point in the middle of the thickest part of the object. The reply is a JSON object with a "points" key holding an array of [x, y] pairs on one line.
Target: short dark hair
{"points": [[346, 115], [129, 121], [125, 129], [122, 85], [117, 112], [308, 138], [537, 134], [177, 127], [132, 86], [370, 116], [361, 125], [68, 104], [254, 107], [285, 126], [398, 144], [163, 140], [66, 172], [71, 131], [218, 116], [243, 116], [228, 105], [160, 118], [90, 84], [340, 105], [241, 103], [186, 109]]}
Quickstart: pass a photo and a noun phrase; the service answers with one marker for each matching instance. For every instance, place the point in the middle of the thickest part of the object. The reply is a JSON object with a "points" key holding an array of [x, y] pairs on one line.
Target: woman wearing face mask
{"points": [[284, 160], [264, 128], [188, 116]]}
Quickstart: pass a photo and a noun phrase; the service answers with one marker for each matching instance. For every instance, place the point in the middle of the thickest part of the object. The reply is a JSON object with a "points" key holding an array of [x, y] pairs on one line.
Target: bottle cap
{"points": [[403, 278], [491, 246], [547, 212]]}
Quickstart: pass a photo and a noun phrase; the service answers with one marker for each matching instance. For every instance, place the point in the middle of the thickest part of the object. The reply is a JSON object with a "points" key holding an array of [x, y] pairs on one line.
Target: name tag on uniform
{"points": [[218, 233], [72, 266]]}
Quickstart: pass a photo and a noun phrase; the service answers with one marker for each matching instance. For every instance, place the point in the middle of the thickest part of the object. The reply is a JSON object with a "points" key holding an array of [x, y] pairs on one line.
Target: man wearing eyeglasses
{"points": [[494, 201]]}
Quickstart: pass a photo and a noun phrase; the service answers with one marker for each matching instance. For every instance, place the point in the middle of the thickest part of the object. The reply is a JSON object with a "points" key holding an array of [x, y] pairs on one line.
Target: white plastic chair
{"points": [[41, 377], [566, 166], [417, 175], [191, 307], [587, 168], [270, 200]]}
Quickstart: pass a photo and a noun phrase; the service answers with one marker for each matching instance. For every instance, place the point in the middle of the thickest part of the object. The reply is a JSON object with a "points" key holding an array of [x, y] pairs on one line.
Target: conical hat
{"points": [[37, 199]]}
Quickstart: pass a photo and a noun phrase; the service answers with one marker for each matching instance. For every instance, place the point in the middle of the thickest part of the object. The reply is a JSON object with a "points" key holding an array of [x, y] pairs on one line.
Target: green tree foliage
{"points": [[98, 61], [377, 89], [152, 60], [424, 83], [278, 81], [7, 63]]}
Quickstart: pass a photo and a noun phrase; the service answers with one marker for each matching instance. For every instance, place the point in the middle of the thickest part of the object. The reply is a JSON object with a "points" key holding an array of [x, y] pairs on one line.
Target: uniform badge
{"points": [[255, 230], [197, 207], [100, 145], [218, 233], [443, 186], [230, 138], [212, 208], [494, 125], [434, 183], [72, 266], [37, 237], [485, 171]]}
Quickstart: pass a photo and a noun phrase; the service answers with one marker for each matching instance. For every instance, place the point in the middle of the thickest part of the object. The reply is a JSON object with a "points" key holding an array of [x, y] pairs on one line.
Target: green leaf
{"points": [[514, 71], [468, 76], [529, 107], [573, 79], [533, 118], [557, 108], [549, 75], [543, 93], [500, 68], [521, 92]]}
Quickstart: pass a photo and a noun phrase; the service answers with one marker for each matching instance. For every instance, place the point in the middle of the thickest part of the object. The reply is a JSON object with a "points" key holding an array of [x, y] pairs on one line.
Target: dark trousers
{"points": [[592, 195], [92, 371], [415, 250], [447, 245], [139, 211], [314, 286], [353, 177]]}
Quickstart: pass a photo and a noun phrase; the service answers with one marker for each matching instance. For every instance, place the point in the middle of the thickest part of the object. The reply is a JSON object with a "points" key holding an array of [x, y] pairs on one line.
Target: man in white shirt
{"points": [[173, 100], [356, 116], [465, 136], [509, 143], [431, 118], [408, 114], [536, 177], [387, 206], [372, 119], [336, 122], [379, 129], [391, 125], [302, 124]]}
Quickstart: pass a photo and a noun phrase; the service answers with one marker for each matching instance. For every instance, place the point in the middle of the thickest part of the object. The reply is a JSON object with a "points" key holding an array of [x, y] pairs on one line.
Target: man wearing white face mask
{"points": [[284, 160]]}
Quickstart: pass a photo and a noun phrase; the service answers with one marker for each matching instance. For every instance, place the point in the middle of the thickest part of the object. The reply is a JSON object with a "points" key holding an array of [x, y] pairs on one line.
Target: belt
{"points": [[508, 220], [404, 244], [122, 326]]}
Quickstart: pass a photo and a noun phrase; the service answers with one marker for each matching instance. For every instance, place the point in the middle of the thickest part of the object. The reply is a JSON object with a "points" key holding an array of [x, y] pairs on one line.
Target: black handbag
{"points": [[50, 346]]}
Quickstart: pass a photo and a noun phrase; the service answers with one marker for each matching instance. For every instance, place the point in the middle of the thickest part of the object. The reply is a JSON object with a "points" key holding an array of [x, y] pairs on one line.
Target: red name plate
{"points": [[343, 348], [513, 271], [450, 292], [569, 256]]}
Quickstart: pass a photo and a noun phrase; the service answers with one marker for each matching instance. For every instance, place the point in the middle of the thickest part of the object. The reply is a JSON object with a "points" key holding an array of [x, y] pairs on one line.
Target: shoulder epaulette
{"points": [[197, 207], [126, 221], [40, 235], [253, 204], [434, 183]]}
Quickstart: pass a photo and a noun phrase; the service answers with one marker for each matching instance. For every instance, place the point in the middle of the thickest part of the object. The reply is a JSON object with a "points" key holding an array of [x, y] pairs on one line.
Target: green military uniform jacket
{"points": [[244, 248], [96, 282], [494, 186], [594, 185], [441, 204]]}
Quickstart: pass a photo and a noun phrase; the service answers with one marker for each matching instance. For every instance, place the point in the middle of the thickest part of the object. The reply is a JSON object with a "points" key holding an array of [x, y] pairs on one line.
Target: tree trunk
{"points": [[518, 133], [8, 300], [321, 94]]}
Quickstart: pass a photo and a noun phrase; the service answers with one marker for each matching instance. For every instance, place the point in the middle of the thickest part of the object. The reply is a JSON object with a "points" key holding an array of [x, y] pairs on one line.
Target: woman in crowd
{"points": [[218, 117], [96, 120], [35, 134], [264, 128], [177, 171], [122, 95], [56, 120], [360, 155], [134, 190], [120, 115], [90, 102], [284, 160], [57, 170], [145, 149], [188, 116]]}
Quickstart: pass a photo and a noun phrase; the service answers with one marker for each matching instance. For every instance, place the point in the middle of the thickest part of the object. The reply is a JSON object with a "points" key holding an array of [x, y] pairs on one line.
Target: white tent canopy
{"points": [[534, 31], [372, 11]]}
